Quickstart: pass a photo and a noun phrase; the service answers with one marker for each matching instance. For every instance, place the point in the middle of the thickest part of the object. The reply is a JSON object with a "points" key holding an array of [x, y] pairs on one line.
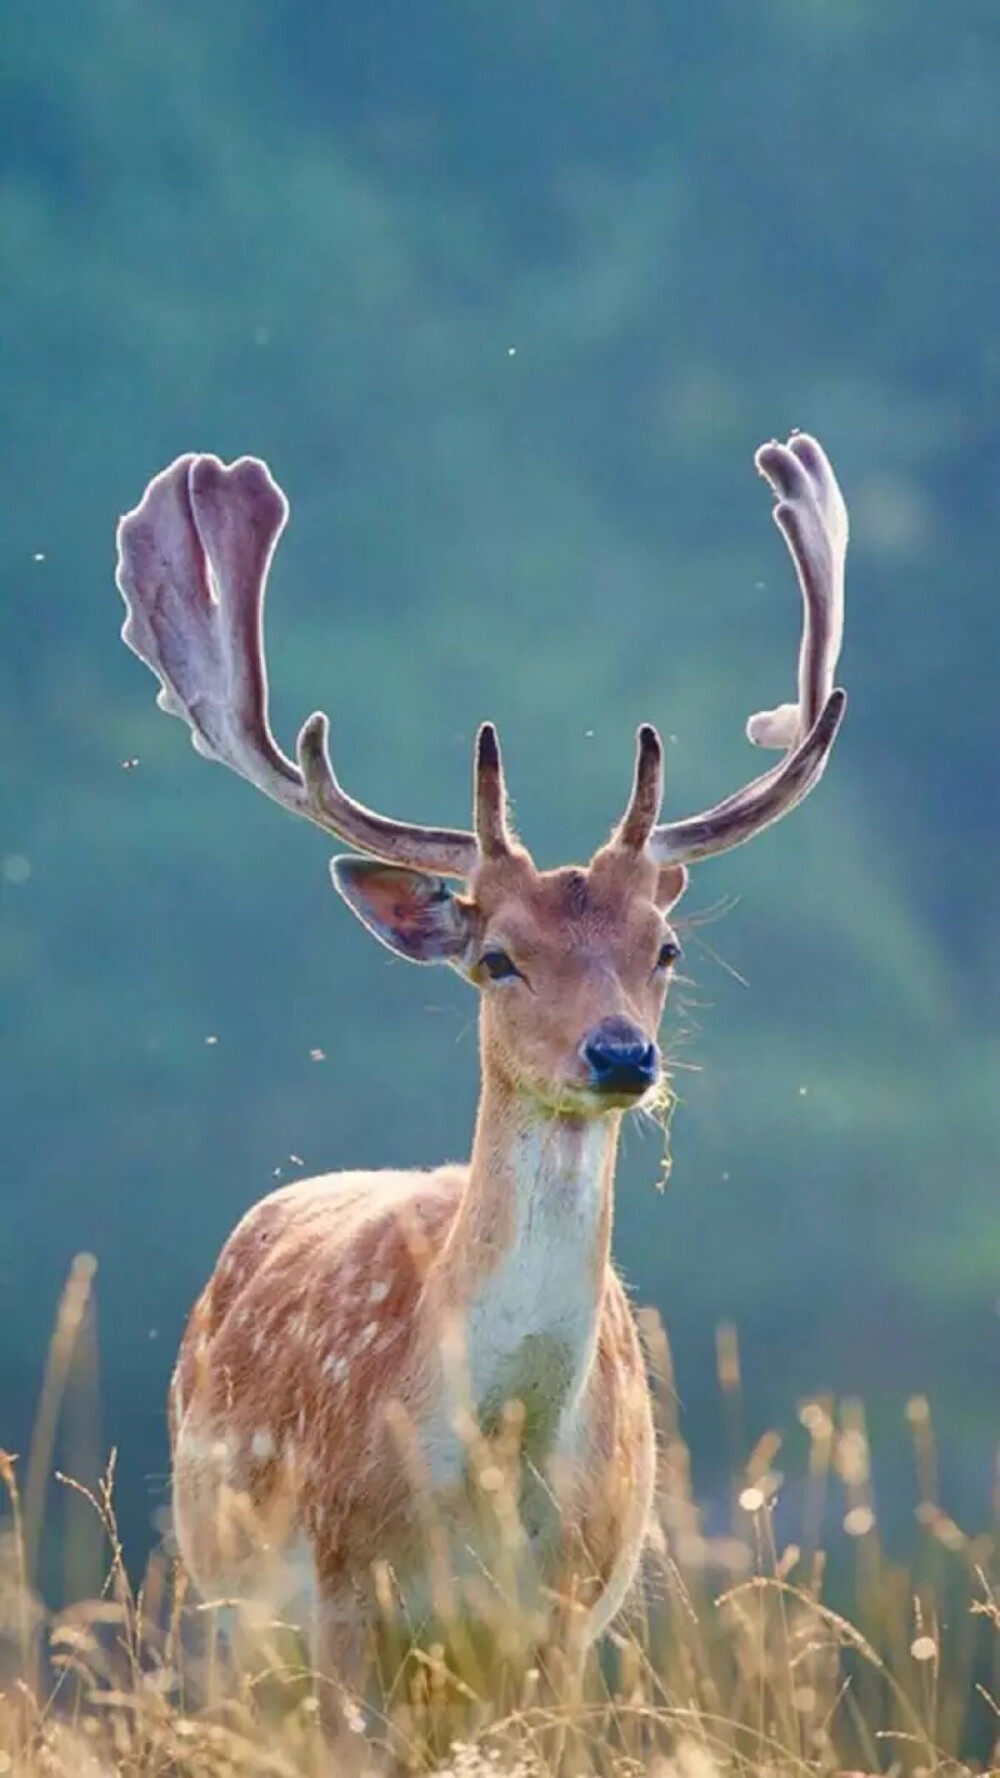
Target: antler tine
{"points": [[193, 560], [490, 795], [639, 819], [446, 851], [729, 823], [812, 518]]}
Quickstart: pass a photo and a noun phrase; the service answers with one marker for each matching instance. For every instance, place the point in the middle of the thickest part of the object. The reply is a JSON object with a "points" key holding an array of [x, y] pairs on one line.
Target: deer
{"points": [[378, 1357]]}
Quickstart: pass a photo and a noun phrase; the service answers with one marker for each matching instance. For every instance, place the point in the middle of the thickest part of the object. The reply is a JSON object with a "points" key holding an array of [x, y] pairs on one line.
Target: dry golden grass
{"points": [[730, 1662]]}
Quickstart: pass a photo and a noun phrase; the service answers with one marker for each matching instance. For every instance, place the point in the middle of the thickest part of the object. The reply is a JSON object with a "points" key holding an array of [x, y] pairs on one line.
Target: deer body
{"points": [[328, 1362], [438, 1373], [326, 1335]]}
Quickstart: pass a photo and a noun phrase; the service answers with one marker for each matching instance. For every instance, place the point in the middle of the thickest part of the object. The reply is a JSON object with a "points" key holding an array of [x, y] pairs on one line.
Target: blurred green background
{"points": [[507, 295]]}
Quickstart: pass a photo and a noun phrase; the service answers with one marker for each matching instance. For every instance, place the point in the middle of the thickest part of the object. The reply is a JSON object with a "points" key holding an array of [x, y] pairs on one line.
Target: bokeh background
{"points": [[507, 295]]}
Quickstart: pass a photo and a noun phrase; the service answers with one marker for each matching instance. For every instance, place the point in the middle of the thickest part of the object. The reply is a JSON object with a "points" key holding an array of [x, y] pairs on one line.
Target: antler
{"points": [[812, 518], [193, 559]]}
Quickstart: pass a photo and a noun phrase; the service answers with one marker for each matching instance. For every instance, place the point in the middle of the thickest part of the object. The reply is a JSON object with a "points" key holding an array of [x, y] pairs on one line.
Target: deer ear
{"points": [[670, 885], [415, 915]]}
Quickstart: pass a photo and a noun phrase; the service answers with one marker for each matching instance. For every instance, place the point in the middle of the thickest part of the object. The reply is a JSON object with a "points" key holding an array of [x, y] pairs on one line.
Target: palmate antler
{"points": [[193, 559]]}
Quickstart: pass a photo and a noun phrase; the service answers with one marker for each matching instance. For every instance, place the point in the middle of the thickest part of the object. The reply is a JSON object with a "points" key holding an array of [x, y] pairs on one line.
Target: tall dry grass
{"points": [[730, 1659]]}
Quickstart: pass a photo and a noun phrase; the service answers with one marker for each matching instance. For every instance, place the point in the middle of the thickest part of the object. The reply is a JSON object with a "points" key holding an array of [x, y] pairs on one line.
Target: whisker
{"points": [[723, 962], [717, 910]]}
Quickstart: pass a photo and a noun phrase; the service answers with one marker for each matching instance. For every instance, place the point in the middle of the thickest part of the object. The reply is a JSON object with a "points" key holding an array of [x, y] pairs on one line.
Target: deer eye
{"points": [[498, 966], [668, 954]]}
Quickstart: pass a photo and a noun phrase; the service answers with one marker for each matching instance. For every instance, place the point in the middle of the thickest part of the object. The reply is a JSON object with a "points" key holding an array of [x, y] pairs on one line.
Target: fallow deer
{"points": [[347, 1374]]}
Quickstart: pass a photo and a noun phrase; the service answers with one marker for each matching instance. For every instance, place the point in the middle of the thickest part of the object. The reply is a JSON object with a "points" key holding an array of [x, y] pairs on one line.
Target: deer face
{"points": [[572, 965]]}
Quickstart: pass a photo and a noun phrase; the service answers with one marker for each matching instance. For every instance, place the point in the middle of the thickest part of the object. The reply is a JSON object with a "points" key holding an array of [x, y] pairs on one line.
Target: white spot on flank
{"points": [[262, 1443], [367, 1335], [335, 1366], [301, 1421], [378, 1292]]}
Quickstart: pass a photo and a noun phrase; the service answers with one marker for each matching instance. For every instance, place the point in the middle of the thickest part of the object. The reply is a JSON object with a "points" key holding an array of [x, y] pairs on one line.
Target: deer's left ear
{"points": [[416, 915], [670, 885]]}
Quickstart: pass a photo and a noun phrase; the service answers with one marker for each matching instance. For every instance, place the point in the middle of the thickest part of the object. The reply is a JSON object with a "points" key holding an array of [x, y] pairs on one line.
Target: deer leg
{"points": [[341, 1663]]}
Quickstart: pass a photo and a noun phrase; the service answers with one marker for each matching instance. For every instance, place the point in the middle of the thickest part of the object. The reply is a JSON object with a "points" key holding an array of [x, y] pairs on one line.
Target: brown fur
{"points": [[310, 1392]]}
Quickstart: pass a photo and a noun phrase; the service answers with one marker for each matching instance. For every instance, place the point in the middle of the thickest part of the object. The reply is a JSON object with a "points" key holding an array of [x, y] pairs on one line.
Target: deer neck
{"points": [[527, 1261]]}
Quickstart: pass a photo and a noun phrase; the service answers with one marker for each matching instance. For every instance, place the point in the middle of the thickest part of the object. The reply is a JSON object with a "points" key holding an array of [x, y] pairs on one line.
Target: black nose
{"points": [[619, 1058]]}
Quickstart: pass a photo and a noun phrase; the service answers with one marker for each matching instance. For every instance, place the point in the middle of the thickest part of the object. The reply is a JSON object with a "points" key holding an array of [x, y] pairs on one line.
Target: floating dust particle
{"points": [[752, 1500], [15, 868], [211, 1039], [317, 1055], [924, 1648]]}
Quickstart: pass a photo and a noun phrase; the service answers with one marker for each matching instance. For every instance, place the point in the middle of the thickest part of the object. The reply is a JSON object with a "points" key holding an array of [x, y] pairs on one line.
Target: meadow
{"points": [[740, 1652]]}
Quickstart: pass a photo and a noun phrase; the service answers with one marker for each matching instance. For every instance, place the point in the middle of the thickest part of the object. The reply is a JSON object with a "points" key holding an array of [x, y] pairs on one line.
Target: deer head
{"points": [[572, 965]]}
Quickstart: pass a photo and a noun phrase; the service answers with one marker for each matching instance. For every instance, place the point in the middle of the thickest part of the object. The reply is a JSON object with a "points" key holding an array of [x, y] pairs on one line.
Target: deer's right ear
{"points": [[414, 914]]}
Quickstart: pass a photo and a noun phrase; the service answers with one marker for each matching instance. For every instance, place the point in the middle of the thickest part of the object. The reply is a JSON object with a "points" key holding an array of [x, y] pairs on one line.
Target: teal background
{"points": [[507, 295]]}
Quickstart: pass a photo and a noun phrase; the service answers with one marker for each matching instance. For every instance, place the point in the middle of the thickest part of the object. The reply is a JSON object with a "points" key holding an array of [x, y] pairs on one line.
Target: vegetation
{"points": [[730, 1659]]}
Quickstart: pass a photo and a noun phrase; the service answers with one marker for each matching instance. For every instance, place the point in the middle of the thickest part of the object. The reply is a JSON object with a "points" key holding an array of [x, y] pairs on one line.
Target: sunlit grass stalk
{"points": [[729, 1662]]}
